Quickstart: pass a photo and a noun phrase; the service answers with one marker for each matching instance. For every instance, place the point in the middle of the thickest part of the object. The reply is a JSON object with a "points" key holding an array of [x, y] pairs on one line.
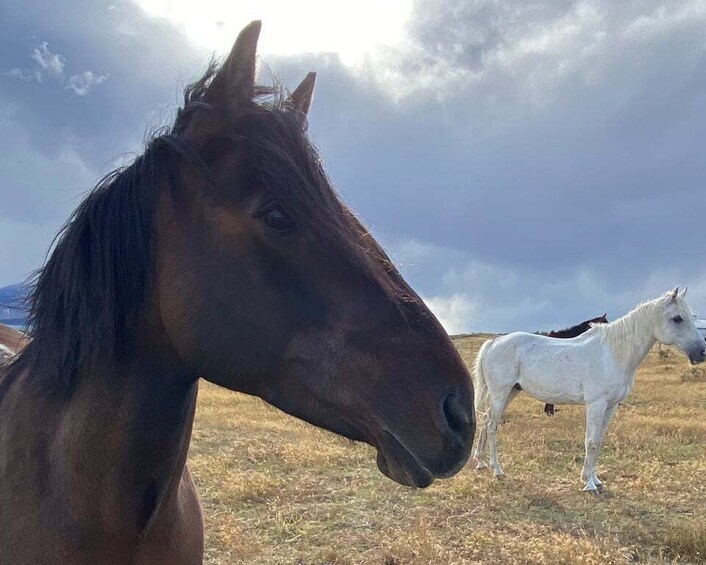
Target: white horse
{"points": [[596, 368]]}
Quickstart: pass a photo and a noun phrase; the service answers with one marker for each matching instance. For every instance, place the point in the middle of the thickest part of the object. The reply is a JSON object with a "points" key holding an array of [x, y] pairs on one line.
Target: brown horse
{"points": [[567, 333], [222, 252]]}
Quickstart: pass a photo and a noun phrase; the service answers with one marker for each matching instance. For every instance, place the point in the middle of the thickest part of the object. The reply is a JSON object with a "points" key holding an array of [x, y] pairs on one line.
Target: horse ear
{"points": [[674, 293], [683, 292], [234, 84], [300, 99]]}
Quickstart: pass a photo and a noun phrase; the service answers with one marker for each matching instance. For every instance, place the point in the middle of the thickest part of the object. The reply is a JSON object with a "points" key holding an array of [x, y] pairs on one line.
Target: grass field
{"points": [[276, 490]]}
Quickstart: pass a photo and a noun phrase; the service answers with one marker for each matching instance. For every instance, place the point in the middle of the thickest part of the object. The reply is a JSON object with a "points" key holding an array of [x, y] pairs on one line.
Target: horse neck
{"points": [[118, 444], [576, 331], [631, 337]]}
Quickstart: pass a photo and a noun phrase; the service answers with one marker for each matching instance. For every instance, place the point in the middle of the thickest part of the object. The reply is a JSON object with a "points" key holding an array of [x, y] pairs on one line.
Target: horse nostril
{"points": [[456, 415]]}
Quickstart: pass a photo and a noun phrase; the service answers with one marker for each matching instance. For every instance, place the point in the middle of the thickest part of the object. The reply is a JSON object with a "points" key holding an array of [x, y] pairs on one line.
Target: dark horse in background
{"points": [[566, 333], [11, 343], [222, 252]]}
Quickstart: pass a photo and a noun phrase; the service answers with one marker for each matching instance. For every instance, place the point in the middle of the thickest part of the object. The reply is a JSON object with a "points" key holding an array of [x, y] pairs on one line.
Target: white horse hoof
{"points": [[480, 465], [598, 484], [592, 489]]}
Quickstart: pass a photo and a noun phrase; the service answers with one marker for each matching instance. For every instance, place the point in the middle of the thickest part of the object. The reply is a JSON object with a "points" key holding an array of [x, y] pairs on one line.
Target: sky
{"points": [[527, 165]]}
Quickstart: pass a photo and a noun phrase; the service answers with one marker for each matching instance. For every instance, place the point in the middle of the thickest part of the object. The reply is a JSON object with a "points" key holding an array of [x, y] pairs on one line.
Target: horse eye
{"points": [[278, 220], [677, 319]]}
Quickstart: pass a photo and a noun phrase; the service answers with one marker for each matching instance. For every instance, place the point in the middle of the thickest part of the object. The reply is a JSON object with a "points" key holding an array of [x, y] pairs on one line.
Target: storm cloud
{"points": [[528, 166]]}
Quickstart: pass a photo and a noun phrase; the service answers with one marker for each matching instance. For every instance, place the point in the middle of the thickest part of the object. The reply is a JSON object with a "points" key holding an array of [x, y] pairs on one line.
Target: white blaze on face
{"points": [[349, 28]]}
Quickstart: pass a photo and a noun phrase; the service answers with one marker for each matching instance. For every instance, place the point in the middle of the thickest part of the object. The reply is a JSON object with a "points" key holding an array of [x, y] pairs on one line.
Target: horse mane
{"points": [[620, 333], [86, 298]]}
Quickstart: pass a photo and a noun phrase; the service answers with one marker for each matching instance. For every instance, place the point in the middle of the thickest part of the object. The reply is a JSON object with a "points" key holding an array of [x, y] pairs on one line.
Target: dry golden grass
{"points": [[694, 374], [276, 490]]}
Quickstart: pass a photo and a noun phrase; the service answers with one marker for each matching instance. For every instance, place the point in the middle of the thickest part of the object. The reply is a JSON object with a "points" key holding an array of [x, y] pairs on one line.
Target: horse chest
{"points": [[616, 388], [625, 388]]}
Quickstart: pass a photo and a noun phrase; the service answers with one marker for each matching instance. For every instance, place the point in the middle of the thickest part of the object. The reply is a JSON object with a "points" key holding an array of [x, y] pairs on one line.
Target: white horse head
{"points": [[676, 326]]}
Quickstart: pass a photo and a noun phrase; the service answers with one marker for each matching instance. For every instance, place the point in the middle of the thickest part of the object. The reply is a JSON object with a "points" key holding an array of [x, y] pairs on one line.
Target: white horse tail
{"points": [[480, 386]]}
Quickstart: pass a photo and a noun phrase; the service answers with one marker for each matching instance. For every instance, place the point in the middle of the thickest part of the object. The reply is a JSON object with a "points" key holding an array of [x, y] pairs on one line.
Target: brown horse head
{"points": [[270, 285], [602, 319], [228, 233]]}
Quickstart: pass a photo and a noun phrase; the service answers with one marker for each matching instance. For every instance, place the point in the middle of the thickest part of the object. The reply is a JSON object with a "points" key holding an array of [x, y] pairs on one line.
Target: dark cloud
{"points": [[529, 164], [554, 144], [569, 148], [80, 85], [147, 60]]}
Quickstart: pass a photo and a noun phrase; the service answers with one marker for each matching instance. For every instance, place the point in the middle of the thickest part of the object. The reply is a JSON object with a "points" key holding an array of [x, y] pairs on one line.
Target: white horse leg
{"points": [[607, 417], [513, 393], [482, 439], [480, 443], [497, 407], [594, 422], [482, 435]]}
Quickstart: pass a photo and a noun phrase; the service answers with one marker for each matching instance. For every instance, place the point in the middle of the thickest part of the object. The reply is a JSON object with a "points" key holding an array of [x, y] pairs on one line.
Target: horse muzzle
{"points": [[408, 461], [698, 354]]}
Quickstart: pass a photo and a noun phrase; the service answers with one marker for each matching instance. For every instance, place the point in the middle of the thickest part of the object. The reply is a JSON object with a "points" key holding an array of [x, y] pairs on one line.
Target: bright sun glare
{"points": [[305, 26]]}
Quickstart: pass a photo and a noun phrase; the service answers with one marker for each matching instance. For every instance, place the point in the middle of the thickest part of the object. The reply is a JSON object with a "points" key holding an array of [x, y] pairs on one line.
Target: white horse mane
{"points": [[620, 333]]}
